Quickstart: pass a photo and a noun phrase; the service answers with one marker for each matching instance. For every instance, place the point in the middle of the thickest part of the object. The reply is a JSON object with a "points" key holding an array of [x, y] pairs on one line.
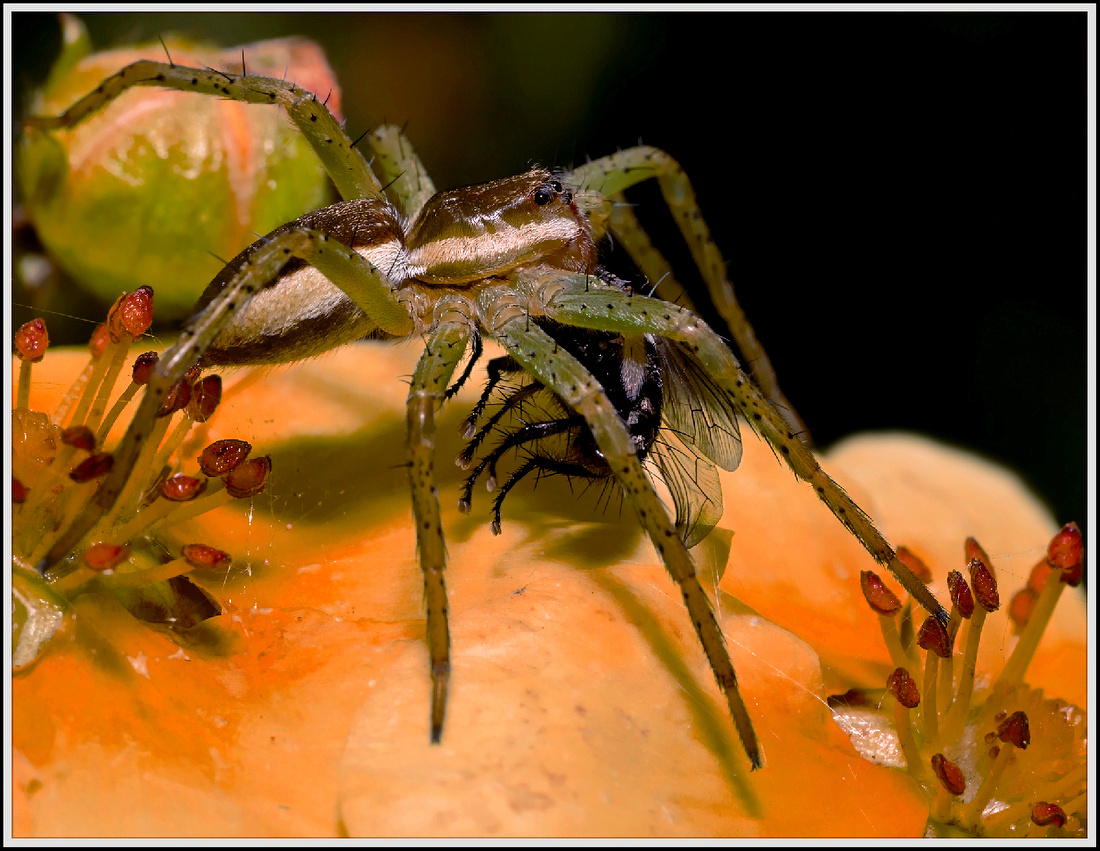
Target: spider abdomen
{"points": [[299, 312]]}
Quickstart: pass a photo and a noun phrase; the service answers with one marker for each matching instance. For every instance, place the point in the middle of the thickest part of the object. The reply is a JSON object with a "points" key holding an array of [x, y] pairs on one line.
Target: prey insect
{"points": [[507, 261], [679, 420]]}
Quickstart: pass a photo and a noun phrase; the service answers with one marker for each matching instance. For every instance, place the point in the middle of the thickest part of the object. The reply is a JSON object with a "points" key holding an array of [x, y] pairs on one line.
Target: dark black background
{"points": [[901, 197]]}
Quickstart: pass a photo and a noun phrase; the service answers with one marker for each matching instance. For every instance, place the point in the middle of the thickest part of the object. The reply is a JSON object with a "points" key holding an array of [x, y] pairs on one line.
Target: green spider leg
{"points": [[400, 169], [445, 347], [500, 311], [606, 179], [578, 301]]}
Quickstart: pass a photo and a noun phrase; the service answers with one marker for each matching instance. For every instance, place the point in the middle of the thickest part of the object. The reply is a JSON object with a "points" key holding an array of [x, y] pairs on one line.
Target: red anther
{"points": [[92, 467], [221, 456], [984, 586], [180, 488], [1021, 607], [177, 398], [202, 556], [79, 436], [933, 636], [105, 556], [1037, 579], [205, 396], [960, 593], [32, 340], [144, 364], [903, 688], [950, 777], [1045, 815], [973, 550], [99, 340], [1067, 553], [248, 479], [1015, 730], [131, 315], [193, 372], [19, 491], [915, 563], [878, 596]]}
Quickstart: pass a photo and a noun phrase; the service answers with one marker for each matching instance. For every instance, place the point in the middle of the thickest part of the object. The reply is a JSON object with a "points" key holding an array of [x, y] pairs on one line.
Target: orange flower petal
{"points": [[581, 703]]}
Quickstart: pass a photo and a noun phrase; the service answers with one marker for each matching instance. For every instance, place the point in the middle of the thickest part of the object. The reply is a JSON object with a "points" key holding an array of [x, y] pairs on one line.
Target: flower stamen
{"points": [[1006, 743], [1066, 558]]}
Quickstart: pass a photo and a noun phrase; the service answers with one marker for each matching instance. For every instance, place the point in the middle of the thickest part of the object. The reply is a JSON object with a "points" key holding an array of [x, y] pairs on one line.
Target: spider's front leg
{"points": [[427, 391], [576, 301], [605, 180], [556, 368]]}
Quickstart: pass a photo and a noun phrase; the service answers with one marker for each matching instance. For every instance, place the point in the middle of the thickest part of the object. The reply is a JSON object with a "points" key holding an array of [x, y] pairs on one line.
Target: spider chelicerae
{"points": [[513, 260]]}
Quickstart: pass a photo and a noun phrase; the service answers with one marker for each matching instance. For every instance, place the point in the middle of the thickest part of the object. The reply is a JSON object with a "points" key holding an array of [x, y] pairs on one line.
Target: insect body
{"points": [[649, 380], [502, 260]]}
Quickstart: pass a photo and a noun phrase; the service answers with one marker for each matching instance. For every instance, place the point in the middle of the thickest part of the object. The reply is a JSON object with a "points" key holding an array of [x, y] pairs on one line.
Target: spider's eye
{"points": [[556, 185], [542, 196]]}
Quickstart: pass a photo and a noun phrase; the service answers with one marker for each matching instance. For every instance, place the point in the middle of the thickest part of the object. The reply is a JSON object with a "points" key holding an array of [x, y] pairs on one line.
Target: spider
{"points": [[501, 260]]}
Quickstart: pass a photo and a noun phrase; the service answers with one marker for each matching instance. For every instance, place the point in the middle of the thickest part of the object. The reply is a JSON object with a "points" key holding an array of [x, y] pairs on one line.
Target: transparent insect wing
{"points": [[696, 409], [694, 484]]}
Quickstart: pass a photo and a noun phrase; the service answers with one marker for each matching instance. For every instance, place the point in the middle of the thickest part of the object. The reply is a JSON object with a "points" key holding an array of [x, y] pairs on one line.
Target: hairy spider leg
{"points": [[555, 367], [399, 168], [590, 304], [613, 174], [445, 348], [344, 164]]}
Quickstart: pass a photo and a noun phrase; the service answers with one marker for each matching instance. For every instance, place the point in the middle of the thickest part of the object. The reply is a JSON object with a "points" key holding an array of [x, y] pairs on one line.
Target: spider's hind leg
{"points": [[398, 168]]}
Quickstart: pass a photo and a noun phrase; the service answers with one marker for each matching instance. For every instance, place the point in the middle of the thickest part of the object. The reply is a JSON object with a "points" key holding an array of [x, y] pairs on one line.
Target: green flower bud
{"points": [[160, 184]]}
